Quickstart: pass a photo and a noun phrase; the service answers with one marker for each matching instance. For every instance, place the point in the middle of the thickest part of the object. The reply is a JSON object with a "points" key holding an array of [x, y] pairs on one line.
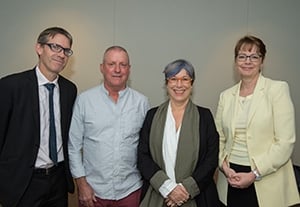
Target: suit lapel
{"points": [[34, 94], [64, 99]]}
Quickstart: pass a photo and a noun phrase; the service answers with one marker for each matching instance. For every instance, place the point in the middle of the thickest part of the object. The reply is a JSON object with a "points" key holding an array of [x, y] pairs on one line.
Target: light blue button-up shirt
{"points": [[103, 140]]}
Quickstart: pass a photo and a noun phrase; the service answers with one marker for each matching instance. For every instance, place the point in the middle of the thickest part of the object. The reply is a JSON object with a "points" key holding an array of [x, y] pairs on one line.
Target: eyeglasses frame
{"points": [[67, 51], [248, 56]]}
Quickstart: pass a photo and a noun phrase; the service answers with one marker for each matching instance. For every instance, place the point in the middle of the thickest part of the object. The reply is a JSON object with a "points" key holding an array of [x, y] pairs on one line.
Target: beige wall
{"points": [[156, 32]]}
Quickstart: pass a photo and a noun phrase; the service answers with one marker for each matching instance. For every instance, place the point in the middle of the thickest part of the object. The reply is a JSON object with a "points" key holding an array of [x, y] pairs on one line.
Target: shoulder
{"points": [[137, 93], [152, 110], [149, 117], [231, 90], [274, 83], [204, 112], [64, 81], [274, 86], [202, 109], [18, 76], [138, 98], [91, 92], [150, 113], [18, 80]]}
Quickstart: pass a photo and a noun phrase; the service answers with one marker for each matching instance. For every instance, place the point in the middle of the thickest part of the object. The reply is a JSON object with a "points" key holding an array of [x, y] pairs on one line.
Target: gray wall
{"points": [[156, 32]]}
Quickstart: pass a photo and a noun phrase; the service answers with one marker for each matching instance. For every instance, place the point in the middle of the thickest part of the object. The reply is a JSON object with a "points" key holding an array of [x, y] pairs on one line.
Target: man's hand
{"points": [[86, 195]]}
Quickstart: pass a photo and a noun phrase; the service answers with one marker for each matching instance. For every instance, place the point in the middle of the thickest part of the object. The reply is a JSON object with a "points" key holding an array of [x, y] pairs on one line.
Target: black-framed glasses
{"points": [[58, 48], [243, 57]]}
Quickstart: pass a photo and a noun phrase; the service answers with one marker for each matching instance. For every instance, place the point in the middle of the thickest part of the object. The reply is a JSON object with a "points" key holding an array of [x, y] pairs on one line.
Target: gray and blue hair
{"points": [[176, 66]]}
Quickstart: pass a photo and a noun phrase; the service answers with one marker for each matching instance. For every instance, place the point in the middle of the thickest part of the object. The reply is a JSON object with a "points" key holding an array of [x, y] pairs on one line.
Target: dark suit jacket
{"points": [[20, 132], [206, 164]]}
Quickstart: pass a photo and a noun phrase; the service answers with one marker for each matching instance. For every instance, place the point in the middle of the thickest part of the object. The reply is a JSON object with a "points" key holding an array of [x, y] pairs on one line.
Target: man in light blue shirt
{"points": [[104, 135]]}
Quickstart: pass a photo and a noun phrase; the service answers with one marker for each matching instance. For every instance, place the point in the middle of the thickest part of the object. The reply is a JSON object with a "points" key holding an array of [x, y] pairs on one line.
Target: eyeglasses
{"points": [[252, 58], [184, 80], [57, 48]]}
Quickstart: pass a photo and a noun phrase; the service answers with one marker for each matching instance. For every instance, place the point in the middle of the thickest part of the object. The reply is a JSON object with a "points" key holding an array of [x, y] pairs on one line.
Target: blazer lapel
{"points": [[234, 101], [257, 97]]}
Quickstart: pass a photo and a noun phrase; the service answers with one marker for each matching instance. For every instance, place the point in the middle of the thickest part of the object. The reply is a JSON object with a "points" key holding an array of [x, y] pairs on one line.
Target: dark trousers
{"points": [[241, 197], [46, 189]]}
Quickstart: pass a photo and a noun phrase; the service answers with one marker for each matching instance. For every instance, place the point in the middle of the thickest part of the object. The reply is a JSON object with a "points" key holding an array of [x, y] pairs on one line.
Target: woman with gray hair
{"points": [[178, 148]]}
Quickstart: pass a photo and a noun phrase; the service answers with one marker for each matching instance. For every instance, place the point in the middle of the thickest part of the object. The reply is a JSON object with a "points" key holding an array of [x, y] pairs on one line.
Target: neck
{"points": [[248, 86], [49, 75], [113, 92], [178, 109], [178, 106]]}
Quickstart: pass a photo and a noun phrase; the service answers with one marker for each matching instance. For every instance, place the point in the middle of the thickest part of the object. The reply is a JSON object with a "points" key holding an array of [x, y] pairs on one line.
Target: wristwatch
{"points": [[257, 175]]}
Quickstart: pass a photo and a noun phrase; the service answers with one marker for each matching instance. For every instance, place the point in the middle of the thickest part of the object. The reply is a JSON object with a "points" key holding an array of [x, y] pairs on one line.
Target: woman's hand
{"points": [[170, 203], [242, 180], [229, 173], [178, 196]]}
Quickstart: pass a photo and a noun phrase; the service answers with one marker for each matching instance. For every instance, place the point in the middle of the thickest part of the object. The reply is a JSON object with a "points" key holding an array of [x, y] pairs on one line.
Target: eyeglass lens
{"points": [[57, 48]]}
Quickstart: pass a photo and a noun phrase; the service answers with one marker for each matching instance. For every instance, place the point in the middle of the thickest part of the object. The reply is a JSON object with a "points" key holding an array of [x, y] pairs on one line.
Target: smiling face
{"points": [[52, 63], [179, 87], [248, 62]]}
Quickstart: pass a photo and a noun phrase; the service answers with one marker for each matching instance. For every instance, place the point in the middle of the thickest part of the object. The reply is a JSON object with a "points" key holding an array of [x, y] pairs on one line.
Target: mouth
{"points": [[117, 77], [179, 91], [59, 61], [247, 68]]}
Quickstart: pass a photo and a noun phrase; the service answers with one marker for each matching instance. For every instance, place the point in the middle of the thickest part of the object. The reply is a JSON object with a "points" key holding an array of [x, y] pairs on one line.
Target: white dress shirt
{"points": [[43, 159], [170, 144]]}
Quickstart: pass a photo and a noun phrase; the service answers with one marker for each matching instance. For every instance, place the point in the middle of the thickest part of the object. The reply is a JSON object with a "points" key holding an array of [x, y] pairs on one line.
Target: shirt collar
{"points": [[42, 80], [121, 93]]}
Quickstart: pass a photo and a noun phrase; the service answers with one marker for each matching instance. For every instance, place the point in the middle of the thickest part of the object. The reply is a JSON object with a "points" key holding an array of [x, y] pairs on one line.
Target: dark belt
{"points": [[48, 171]]}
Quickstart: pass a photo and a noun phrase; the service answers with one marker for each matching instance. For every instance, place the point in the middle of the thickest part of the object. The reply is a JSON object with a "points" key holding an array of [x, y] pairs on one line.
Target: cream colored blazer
{"points": [[270, 140]]}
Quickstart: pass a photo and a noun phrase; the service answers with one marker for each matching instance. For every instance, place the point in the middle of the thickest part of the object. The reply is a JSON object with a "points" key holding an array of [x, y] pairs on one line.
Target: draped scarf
{"points": [[187, 153]]}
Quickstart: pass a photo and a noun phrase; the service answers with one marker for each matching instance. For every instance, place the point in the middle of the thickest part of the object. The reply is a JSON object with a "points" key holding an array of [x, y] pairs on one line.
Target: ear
{"points": [[129, 67], [39, 48], [261, 68], [101, 67]]}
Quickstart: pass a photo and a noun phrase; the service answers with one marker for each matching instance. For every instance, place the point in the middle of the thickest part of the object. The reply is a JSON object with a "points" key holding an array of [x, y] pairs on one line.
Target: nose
{"points": [[248, 59], [117, 68], [178, 82]]}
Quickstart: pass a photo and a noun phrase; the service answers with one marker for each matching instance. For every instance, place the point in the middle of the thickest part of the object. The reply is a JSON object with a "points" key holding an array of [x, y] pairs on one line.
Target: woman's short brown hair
{"points": [[248, 42]]}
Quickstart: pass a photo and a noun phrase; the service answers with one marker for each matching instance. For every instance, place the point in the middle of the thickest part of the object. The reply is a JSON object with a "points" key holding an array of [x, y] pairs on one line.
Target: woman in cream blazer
{"points": [[256, 123]]}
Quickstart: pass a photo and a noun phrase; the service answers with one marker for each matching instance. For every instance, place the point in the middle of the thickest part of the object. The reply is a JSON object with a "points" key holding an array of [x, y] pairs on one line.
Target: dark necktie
{"points": [[52, 131]]}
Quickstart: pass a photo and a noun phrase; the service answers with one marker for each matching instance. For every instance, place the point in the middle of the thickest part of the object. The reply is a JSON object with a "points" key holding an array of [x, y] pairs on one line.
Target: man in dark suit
{"points": [[29, 176]]}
